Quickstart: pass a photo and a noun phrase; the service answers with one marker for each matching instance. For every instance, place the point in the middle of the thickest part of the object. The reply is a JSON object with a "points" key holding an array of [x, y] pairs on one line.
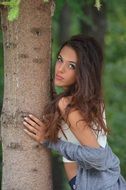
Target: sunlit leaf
{"points": [[13, 9], [97, 4], [46, 1], [13, 13], [11, 3], [5, 3]]}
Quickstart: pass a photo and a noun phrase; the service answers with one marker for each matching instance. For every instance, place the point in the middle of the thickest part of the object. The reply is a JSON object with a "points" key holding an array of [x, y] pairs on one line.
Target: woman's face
{"points": [[65, 69]]}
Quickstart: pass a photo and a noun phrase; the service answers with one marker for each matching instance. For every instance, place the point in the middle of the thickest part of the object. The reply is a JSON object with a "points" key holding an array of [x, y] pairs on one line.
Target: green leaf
{"points": [[7, 3], [14, 3], [13, 13], [98, 4], [46, 1], [11, 3]]}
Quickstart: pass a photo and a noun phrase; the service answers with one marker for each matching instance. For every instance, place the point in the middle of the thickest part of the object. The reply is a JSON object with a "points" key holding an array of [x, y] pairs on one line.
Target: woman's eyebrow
{"points": [[67, 60]]}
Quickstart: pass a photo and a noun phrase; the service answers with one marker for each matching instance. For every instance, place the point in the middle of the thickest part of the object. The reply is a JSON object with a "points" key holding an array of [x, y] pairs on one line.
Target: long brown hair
{"points": [[86, 93]]}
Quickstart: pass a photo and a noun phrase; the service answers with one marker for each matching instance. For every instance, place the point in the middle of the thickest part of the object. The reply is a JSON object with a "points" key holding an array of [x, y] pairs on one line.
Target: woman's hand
{"points": [[34, 128], [63, 103]]}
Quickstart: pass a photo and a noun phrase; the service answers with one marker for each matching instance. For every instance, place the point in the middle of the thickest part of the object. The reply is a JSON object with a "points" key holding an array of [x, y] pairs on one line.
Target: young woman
{"points": [[74, 121]]}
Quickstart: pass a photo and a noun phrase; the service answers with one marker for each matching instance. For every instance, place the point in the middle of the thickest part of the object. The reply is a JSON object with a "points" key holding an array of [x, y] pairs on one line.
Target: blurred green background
{"points": [[108, 26]]}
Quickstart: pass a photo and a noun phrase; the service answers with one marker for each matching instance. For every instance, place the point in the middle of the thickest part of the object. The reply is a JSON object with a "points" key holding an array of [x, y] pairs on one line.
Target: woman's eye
{"points": [[72, 66], [59, 59]]}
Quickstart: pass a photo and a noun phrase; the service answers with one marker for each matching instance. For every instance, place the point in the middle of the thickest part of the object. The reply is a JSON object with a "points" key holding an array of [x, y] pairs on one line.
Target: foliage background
{"points": [[114, 78]]}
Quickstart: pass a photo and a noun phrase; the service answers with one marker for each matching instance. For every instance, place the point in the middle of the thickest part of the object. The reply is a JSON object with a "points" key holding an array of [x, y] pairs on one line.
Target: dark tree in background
{"points": [[95, 22], [64, 23]]}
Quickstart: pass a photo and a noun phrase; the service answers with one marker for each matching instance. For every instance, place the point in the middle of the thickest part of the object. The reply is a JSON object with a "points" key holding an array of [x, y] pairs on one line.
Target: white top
{"points": [[70, 137]]}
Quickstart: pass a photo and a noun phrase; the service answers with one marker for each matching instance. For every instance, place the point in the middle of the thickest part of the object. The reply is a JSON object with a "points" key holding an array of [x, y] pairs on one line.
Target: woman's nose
{"points": [[62, 67]]}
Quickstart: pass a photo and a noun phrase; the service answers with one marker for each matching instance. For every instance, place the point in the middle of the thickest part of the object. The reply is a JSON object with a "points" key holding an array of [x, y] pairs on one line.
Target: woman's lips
{"points": [[58, 77]]}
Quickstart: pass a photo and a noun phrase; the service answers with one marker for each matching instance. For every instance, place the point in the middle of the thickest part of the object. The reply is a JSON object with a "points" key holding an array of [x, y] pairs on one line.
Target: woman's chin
{"points": [[60, 84]]}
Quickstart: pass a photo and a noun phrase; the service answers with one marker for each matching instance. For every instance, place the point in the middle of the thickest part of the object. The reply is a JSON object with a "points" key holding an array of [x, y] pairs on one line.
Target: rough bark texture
{"points": [[26, 165]]}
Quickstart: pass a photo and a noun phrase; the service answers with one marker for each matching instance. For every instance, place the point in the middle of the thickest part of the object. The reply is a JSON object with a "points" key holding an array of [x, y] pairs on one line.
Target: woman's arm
{"points": [[87, 157], [78, 126], [81, 130]]}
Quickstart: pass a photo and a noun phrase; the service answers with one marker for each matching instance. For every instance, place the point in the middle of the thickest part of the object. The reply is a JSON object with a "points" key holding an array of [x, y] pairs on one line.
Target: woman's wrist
{"points": [[44, 142]]}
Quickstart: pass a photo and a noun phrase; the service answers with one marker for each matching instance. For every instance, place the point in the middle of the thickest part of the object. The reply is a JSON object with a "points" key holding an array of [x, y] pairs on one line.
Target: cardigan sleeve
{"points": [[98, 158]]}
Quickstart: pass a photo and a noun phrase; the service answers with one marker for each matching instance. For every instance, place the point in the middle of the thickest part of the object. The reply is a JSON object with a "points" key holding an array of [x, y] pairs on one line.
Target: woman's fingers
{"points": [[31, 131], [33, 136], [30, 128], [36, 120], [34, 128], [32, 123]]}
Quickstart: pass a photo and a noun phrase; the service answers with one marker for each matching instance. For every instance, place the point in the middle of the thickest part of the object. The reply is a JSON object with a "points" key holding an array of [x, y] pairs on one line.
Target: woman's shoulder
{"points": [[67, 135]]}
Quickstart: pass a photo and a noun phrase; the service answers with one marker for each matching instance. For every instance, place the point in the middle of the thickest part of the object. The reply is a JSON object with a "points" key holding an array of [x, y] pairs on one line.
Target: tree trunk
{"points": [[26, 165]]}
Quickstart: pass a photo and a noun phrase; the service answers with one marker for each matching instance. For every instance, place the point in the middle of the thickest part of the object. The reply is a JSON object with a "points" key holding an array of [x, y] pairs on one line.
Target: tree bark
{"points": [[26, 165]]}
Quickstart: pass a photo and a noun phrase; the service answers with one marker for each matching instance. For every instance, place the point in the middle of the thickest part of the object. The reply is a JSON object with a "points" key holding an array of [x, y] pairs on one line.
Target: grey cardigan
{"points": [[98, 168]]}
